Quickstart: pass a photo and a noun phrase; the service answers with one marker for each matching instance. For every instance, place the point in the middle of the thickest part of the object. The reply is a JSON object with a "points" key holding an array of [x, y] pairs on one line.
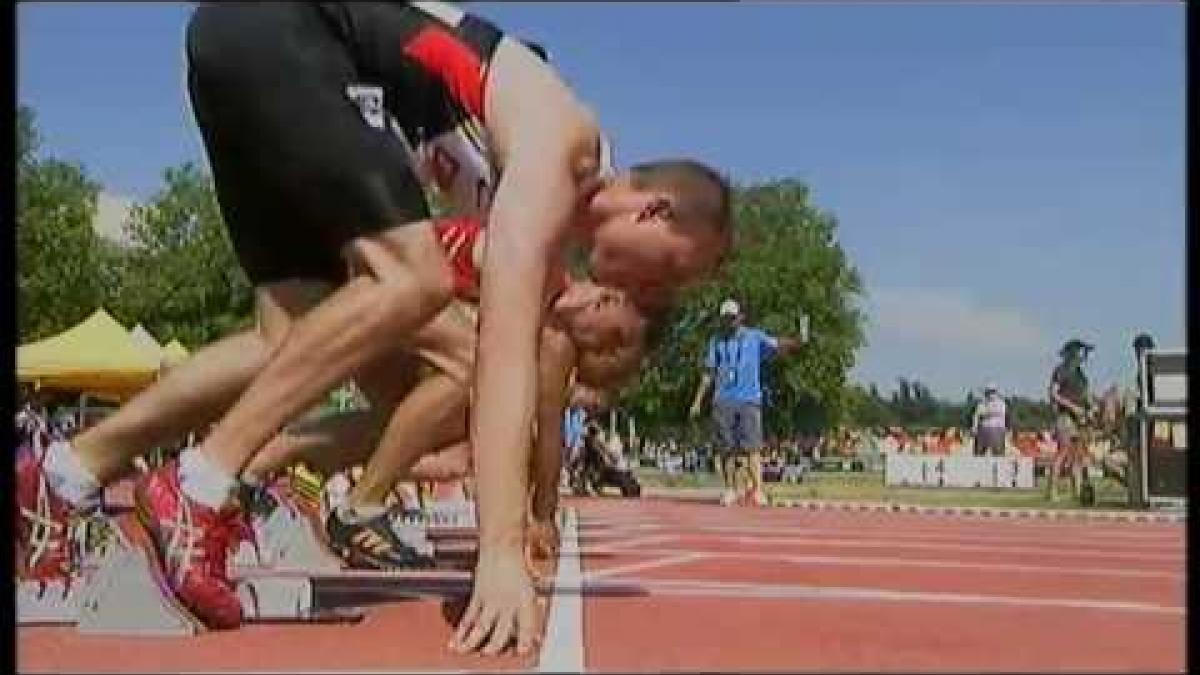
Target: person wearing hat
{"points": [[991, 422], [1072, 403], [734, 360]]}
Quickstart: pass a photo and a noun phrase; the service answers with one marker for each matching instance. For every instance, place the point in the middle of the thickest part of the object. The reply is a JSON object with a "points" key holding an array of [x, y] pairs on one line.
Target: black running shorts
{"points": [[299, 169]]}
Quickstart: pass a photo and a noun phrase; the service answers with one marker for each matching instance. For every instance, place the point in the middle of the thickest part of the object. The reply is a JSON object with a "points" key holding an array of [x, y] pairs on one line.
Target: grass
{"points": [[869, 487]]}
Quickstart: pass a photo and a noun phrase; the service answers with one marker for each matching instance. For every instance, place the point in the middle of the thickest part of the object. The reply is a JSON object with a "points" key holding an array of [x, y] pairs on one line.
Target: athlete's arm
{"points": [[542, 136], [555, 358], [538, 127]]}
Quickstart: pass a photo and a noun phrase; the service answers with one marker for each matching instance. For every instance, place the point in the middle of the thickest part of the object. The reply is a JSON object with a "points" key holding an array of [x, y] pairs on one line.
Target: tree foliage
{"points": [[180, 277], [912, 406], [57, 250], [177, 276]]}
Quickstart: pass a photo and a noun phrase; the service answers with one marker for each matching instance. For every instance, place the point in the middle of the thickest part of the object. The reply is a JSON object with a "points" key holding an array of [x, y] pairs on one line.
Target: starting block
{"points": [[119, 592], [453, 514], [286, 539], [121, 595]]}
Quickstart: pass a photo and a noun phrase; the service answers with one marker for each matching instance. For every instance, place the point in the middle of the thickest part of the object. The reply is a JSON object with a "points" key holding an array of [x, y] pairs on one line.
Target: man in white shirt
{"points": [[990, 422]]}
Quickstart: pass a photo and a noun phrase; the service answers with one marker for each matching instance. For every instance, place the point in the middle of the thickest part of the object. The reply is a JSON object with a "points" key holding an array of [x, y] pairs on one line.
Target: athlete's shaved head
{"points": [[702, 196], [660, 226]]}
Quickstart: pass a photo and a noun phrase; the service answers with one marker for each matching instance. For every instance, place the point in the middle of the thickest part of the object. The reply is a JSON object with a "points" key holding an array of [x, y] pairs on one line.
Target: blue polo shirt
{"points": [[573, 423], [736, 362]]}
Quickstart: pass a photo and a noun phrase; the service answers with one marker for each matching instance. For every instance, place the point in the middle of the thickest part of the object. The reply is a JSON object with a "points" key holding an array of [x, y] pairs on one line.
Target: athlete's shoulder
{"points": [[527, 94]]}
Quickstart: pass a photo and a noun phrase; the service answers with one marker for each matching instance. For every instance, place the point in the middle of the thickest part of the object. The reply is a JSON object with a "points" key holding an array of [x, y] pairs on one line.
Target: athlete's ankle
{"points": [[203, 481], [69, 479]]}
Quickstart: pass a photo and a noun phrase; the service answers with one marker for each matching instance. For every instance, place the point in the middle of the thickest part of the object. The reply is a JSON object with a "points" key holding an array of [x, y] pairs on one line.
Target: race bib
{"points": [[369, 99], [459, 166]]}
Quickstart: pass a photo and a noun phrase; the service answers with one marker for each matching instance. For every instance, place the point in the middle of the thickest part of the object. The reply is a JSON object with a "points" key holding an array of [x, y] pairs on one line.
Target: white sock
{"points": [[203, 481], [69, 478]]}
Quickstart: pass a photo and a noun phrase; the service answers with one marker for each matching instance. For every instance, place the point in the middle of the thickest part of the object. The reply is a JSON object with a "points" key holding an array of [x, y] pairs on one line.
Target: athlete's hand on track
{"points": [[502, 607], [541, 536]]}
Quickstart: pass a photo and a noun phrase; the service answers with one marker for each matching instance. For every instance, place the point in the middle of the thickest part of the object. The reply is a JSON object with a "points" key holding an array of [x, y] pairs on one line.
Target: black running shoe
{"points": [[373, 544], [257, 500]]}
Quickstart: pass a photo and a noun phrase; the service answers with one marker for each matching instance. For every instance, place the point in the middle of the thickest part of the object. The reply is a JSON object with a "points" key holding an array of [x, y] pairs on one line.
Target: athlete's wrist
{"points": [[502, 544]]}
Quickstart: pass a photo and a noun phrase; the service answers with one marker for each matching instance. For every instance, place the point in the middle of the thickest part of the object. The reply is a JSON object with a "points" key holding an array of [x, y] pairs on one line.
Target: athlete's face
{"points": [[610, 368], [609, 322], [644, 252], [588, 398]]}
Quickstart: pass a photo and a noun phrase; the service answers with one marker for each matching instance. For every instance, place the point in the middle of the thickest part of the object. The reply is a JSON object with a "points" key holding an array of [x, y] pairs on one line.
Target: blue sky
{"points": [[1005, 176]]}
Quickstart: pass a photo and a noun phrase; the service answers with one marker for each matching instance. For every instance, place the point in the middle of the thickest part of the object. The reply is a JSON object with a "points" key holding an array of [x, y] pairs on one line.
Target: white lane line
{"points": [[647, 565], [1174, 542], [562, 649], [695, 587], [883, 561], [1042, 551], [392, 671], [626, 544]]}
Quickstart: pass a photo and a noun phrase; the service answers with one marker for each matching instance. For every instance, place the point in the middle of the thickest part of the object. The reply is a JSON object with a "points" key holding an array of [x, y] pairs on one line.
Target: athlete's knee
{"points": [[410, 297], [410, 271]]}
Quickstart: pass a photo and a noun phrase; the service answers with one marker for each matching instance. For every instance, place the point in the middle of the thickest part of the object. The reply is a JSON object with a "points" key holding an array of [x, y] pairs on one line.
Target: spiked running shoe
{"points": [[375, 543], [192, 543], [47, 545], [257, 500]]}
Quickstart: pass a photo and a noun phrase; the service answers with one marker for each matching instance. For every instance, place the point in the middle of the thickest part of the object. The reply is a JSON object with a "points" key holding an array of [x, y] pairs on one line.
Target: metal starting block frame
{"points": [[118, 592], [452, 514]]}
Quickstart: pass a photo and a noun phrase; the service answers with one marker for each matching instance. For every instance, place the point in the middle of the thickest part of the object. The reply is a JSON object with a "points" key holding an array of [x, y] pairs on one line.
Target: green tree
{"points": [[787, 264], [58, 255], [180, 277]]}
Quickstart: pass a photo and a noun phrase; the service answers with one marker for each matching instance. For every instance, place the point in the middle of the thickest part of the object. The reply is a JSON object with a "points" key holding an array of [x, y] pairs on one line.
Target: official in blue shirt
{"points": [[573, 423], [734, 360]]}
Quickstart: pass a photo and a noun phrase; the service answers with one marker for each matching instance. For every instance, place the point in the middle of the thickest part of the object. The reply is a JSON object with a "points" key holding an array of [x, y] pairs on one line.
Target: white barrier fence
{"points": [[963, 471]]}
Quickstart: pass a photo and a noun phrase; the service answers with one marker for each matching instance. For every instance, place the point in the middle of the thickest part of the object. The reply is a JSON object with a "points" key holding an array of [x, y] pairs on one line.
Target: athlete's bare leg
{"points": [[348, 439], [401, 282], [194, 394], [431, 416]]}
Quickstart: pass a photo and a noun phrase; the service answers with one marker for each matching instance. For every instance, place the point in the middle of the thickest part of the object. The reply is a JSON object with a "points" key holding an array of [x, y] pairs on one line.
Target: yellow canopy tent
{"points": [[97, 357], [145, 339], [175, 353]]}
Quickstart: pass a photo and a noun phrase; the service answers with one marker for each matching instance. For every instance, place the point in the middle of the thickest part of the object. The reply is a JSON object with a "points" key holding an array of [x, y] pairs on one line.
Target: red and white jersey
{"points": [[462, 240], [423, 69]]}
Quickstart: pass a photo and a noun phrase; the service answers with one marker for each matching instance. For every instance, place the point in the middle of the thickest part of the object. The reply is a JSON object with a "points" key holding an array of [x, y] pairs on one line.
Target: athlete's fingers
{"points": [[480, 631], [527, 625], [501, 634], [466, 623]]}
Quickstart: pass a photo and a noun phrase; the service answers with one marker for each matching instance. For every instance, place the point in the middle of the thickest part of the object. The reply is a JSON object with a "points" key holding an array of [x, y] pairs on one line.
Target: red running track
{"points": [[687, 586], [697, 588]]}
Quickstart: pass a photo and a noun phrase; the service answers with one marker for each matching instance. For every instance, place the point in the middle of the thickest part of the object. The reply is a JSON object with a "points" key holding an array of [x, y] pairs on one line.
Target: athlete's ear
{"points": [[660, 206]]}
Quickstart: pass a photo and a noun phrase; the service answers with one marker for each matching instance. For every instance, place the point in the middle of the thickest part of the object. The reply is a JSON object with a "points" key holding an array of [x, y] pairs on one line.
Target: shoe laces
{"points": [[47, 535], [203, 545]]}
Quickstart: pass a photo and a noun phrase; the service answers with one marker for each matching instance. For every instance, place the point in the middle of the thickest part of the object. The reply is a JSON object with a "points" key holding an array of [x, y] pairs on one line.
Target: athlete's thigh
{"points": [[279, 304], [386, 380], [302, 161]]}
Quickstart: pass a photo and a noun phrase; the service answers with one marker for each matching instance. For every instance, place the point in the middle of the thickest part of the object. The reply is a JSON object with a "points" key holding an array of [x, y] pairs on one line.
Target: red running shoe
{"points": [[193, 543], [45, 549]]}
